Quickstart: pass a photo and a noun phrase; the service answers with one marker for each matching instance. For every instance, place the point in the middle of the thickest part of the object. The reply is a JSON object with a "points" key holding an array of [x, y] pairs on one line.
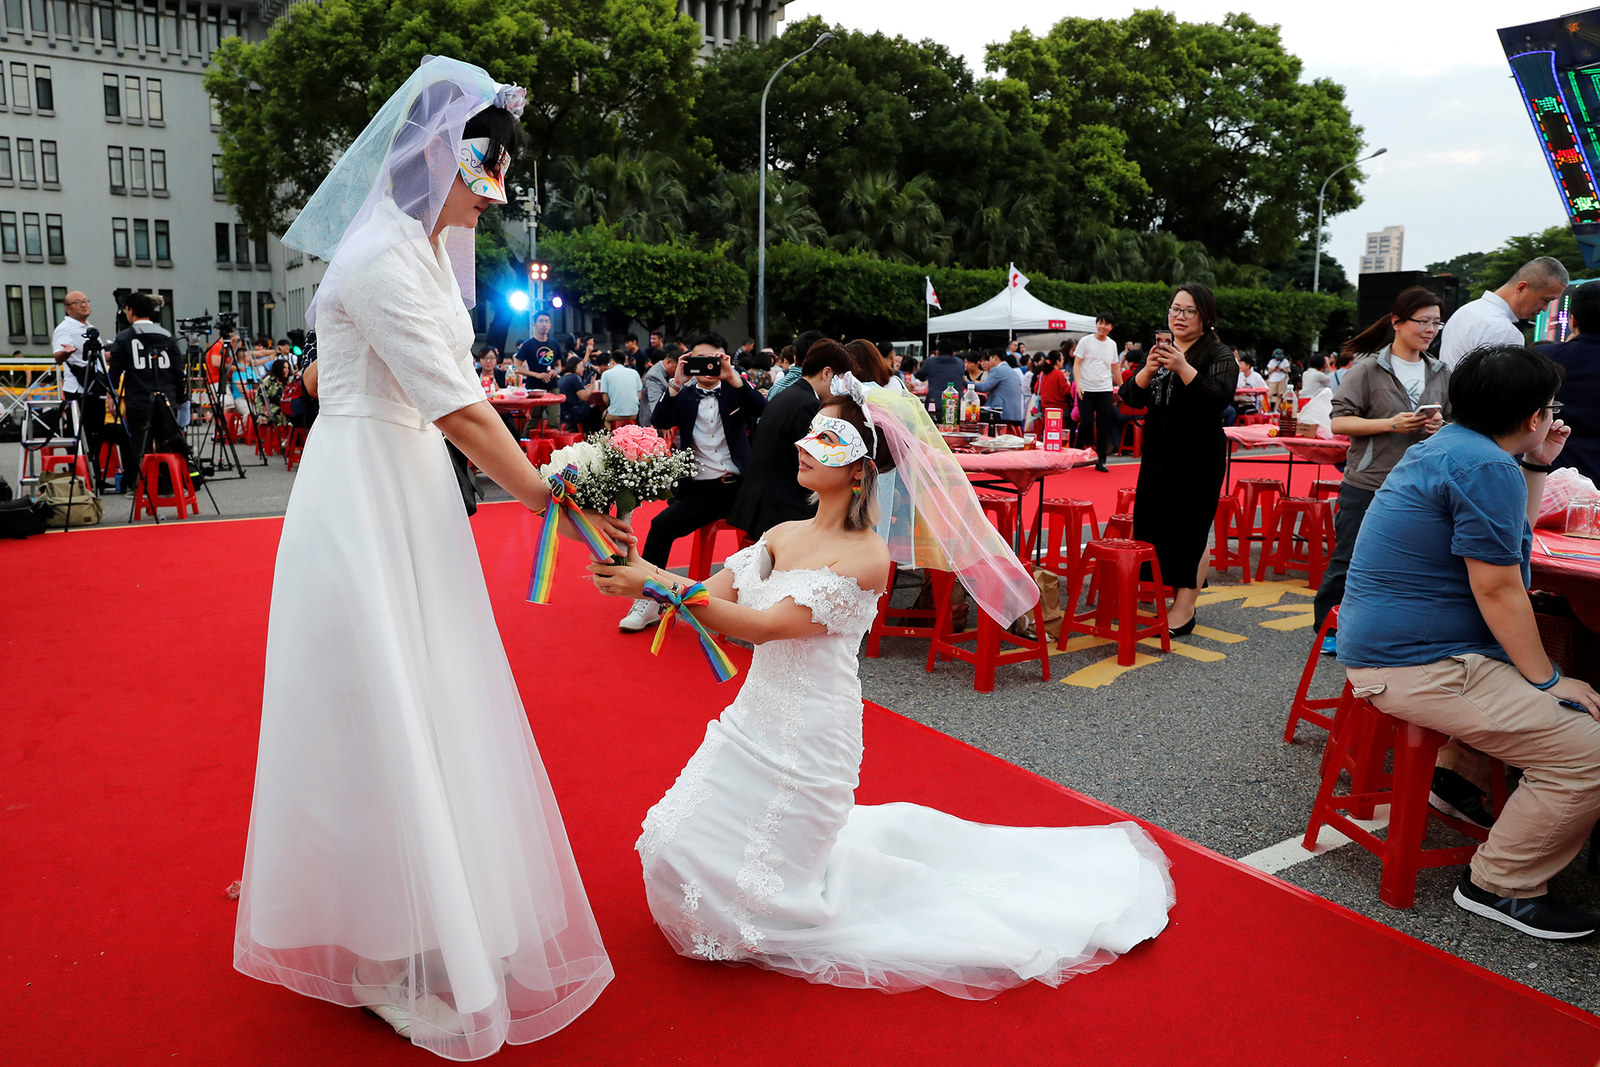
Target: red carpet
{"points": [[125, 775]]}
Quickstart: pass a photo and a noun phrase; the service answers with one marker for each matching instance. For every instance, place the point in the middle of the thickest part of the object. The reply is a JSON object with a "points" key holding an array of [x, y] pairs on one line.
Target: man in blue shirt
{"points": [[1001, 386], [1436, 629]]}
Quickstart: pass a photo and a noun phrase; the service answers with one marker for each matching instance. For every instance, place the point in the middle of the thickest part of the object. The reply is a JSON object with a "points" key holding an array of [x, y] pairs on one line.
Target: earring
{"points": [[855, 490]]}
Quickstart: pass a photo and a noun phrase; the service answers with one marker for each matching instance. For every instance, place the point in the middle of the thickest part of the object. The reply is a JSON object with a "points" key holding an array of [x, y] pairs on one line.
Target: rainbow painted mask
{"points": [[849, 449], [480, 178]]}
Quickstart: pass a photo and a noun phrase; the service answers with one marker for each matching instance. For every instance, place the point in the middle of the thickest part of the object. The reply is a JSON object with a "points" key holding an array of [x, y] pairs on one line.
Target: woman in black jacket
{"points": [[1185, 384]]}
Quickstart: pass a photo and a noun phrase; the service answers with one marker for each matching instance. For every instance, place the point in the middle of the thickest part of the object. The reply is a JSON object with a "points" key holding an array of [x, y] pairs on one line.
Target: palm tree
{"points": [[997, 225], [895, 220], [639, 193], [790, 216]]}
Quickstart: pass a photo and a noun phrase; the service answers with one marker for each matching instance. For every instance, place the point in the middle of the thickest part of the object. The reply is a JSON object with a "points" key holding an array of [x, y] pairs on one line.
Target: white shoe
{"points": [[644, 614], [393, 1002]]}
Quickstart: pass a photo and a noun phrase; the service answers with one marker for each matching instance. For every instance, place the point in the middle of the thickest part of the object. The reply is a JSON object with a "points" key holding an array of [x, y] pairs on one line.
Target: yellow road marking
{"points": [[1204, 655], [1290, 622], [1106, 671], [1220, 636]]}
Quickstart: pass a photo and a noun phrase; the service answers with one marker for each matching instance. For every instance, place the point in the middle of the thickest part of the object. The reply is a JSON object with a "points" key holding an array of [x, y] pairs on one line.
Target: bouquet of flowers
{"points": [[623, 468]]}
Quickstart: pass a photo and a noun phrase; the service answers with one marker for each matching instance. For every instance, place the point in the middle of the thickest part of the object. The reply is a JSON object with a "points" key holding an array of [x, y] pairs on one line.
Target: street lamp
{"points": [[1316, 262], [761, 194]]}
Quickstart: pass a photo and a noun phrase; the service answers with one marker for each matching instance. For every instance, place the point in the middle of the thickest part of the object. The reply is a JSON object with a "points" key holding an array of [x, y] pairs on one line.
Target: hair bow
{"points": [[847, 384], [513, 98]]}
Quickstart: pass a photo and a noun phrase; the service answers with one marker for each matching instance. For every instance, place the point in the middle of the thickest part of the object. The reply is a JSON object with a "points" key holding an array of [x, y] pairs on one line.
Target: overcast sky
{"points": [[1426, 81]]}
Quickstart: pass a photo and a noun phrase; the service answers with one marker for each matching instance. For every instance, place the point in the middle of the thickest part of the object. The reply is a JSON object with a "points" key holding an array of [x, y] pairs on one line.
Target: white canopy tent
{"points": [[1012, 309]]}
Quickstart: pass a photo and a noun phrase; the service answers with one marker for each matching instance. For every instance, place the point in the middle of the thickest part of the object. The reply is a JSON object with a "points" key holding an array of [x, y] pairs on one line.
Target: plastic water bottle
{"points": [[971, 406], [947, 405]]}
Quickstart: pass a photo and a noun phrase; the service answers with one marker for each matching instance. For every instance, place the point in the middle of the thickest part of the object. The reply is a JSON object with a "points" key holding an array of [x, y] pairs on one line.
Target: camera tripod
{"points": [[223, 452], [161, 405]]}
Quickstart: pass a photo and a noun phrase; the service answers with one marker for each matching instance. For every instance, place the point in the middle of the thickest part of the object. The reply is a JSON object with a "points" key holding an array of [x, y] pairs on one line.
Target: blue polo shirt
{"points": [[1407, 599]]}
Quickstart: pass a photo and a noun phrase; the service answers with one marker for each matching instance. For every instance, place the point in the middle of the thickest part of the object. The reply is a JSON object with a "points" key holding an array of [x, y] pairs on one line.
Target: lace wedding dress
{"points": [[758, 853], [402, 821]]}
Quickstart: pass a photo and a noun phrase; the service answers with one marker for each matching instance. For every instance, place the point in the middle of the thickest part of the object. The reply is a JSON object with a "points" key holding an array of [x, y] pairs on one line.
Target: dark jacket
{"points": [[940, 371], [740, 407], [771, 494], [1580, 397], [145, 360]]}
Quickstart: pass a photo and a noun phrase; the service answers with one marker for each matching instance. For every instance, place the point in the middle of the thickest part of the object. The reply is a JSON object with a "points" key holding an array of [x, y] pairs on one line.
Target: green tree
{"points": [[1295, 273], [600, 74], [996, 226], [637, 192], [1467, 268], [897, 220], [730, 213], [1232, 143], [1558, 241], [628, 281]]}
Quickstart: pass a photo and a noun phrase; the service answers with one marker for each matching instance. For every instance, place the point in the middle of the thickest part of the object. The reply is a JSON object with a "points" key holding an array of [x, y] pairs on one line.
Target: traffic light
{"points": [[538, 272]]}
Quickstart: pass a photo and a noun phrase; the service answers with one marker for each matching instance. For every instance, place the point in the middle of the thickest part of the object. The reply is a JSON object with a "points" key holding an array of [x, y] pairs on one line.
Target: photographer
{"points": [[147, 376], [68, 346]]}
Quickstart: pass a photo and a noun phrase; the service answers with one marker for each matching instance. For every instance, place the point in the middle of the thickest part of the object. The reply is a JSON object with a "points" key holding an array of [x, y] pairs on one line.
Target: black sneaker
{"points": [[1542, 916], [1455, 796]]}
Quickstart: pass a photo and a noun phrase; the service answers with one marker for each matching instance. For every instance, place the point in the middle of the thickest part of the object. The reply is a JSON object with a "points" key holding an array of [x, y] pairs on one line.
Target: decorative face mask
{"points": [[482, 179], [849, 449]]}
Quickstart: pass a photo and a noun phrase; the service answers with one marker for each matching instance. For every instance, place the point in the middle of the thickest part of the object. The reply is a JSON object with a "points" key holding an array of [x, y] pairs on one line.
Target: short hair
{"points": [[1495, 387], [870, 366], [826, 354], [1546, 270], [805, 341], [715, 340], [632, 338], [570, 365], [141, 304], [1585, 308], [541, 315], [1105, 317], [602, 359], [1205, 301], [1316, 361], [502, 128]]}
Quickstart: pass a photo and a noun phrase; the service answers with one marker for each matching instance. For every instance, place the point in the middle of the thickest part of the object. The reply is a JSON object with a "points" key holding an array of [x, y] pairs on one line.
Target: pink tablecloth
{"points": [[523, 403], [1576, 579], [1312, 449], [1023, 467]]}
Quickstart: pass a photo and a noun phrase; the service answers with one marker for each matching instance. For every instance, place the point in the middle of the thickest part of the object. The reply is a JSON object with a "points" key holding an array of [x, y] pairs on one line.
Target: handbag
{"points": [[467, 481], [23, 517], [69, 499]]}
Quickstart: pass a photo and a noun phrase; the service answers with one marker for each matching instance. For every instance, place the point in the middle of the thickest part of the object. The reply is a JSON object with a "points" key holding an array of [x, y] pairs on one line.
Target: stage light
{"points": [[555, 301], [518, 300]]}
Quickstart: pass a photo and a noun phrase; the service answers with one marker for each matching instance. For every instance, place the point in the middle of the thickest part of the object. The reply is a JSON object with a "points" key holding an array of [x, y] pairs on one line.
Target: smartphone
{"points": [[1163, 337], [703, 366], [1428, 409]]}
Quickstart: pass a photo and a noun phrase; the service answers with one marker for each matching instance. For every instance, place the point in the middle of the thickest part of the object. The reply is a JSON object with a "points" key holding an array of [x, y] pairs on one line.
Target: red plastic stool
{"points": [[1119, 527], [1315, 711], [1223, 555], [270, 443], [293, 446], [1001, 509], [110, 460], [539, 450], [1125, 501], [986, 653], [1137, 429], [78, 464], [1405, 791], [882, 627], [1303, 540], [1325, 489], [1059, 517], [705, 545], [1116, 564], [182, 496], [1254, 494]]}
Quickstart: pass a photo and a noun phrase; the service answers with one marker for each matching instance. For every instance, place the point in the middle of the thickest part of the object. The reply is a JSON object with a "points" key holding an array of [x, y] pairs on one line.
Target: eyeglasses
{"points": [[1428, 324], [1554, 408], [1183, 313]]}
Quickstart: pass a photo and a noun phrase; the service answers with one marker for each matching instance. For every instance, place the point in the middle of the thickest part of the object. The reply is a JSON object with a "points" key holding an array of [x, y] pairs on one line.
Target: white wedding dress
{"points": [[402, 818], [758, 853]]}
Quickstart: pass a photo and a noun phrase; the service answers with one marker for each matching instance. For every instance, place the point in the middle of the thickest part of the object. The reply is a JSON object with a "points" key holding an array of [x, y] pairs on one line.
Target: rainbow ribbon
{"points": [[673, 605], [562, 488]]}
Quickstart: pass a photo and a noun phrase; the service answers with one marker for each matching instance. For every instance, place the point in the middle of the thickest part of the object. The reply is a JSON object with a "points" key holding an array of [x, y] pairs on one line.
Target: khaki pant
{"points": [[1487, 704], [613, 421]]}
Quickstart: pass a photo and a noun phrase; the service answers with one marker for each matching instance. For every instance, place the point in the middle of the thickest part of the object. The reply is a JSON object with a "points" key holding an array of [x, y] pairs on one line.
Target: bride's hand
{"points": [[617, 529], [620, 579]]}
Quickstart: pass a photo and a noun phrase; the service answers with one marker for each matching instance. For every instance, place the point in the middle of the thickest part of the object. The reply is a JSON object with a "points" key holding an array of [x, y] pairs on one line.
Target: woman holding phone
{"points": [[1393, 396], [1186, 383]]}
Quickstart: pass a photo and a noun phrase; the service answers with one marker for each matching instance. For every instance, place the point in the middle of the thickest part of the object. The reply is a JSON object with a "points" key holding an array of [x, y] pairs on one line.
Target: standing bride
{"points": [[406, 854], [759, 854]]}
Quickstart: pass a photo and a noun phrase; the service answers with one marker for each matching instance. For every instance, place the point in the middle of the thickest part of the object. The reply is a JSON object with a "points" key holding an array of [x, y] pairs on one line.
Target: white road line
{"points": [[1288, 852]]}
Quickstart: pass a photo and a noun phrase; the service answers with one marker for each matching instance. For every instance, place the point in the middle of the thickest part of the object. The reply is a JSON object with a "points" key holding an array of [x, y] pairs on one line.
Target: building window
{"points": [[164, 316], [44, 90], [54, 238], [32, 235], [49, 167], [8, 235], [132, 101], [222, 243], [19, 86], [216, 113], [108, 25], [158, 171], [39, 310], [264, 313], [261, 252], [41, 26], [119, 240], [112, 94], [224, 301], [15, 321], [136, 173], [14, 22], [5, 161], [2, 86], [154, 110], [216, 176], [141, 240], [152, 29], [27, 174], [241, 245], [243, 305], [163, 241], [119, 183], [58, 303]]}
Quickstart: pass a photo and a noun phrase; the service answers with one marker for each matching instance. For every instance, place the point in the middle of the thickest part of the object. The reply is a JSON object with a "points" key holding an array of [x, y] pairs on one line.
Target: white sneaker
{"points": [[644, 614], [393, 1003]]}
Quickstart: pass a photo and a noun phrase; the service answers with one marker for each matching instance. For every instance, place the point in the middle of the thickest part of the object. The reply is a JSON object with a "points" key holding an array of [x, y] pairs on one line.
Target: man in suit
{"points": [[715, 415], [1580, 392], [772, 494]]}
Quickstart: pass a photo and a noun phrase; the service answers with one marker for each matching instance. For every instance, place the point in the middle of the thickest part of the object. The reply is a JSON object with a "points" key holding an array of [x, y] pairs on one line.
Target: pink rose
{"points": [[637, 442]]}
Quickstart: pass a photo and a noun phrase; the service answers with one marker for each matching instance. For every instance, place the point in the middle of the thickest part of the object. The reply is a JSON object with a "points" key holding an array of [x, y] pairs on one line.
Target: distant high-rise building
{"points": [[1383, 252]]}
